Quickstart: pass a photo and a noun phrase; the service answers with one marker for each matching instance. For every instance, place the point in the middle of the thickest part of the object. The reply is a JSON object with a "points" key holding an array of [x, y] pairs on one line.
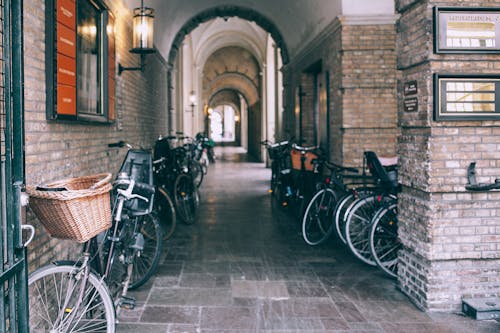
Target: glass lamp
{"points": [[142, 40]]}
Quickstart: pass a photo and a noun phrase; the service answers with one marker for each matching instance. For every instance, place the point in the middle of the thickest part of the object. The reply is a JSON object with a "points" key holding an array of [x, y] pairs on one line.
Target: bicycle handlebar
{"points": [[304, 149], [143, 189]]}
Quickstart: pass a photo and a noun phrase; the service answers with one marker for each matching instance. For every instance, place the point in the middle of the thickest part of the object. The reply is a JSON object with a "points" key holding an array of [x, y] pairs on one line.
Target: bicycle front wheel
{"points": [[384, 241], [316, 224], [54, 293], [146, 261]]}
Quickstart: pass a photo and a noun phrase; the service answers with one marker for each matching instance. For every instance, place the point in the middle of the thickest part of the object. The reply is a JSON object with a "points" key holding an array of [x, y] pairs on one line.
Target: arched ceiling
{"points": [[218, 33], [298, 21], [232, 68]]}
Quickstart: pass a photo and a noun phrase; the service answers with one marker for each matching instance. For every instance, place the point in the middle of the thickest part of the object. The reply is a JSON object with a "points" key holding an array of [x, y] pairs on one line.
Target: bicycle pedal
{"points": [[126, 302]]}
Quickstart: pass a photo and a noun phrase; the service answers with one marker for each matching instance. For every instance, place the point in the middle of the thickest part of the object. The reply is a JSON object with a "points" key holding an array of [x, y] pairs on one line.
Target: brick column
{"points": [[450, 236]]}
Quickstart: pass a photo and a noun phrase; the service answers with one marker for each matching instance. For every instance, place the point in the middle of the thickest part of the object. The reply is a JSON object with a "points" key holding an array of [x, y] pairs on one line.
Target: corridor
{"points": [[243, 267]]}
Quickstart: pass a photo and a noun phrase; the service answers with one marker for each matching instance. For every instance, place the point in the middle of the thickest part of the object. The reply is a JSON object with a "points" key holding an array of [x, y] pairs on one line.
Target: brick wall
{"points": [[361, 60], [450, 236], [56, 150]]}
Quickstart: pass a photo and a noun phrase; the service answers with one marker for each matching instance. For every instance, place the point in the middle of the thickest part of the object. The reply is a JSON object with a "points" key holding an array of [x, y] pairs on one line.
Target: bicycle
{"points": [[74, 296], [317, 223], [163, 206], [362, 211], [303, 178], [176, 176], [138, 166], [279, 154]]}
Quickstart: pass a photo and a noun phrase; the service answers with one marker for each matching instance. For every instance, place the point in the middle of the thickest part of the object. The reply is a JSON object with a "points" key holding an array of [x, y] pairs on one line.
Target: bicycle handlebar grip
{"points": [[117, 144], [143, 189]]}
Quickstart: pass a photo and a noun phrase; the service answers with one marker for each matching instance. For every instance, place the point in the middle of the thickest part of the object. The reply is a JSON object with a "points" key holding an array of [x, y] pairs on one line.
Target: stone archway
{"points": [[227, 11]]}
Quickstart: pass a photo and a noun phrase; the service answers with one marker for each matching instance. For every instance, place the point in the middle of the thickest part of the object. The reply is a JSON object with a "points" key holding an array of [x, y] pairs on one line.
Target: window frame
{"points": [[105, 67]]}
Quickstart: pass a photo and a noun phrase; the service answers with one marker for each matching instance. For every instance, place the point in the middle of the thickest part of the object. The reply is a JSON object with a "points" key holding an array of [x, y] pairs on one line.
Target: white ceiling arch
{"points": [[217, 34]]}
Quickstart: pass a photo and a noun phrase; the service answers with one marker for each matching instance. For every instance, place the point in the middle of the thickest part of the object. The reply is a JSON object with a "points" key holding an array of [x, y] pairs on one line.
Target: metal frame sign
{"points": [[466, 30], [466, 97]]}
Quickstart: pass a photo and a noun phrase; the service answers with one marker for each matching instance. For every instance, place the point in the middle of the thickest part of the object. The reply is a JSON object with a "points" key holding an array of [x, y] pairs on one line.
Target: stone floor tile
{"points": [[259, 289], [350, 312], [140, 327], [182, 328], [190, 297], [171, 314], [228, 318], [306, 289]]}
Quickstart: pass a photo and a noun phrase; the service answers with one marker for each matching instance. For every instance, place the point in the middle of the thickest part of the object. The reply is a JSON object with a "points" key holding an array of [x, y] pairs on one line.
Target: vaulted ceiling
{"points": [[296, 21]]}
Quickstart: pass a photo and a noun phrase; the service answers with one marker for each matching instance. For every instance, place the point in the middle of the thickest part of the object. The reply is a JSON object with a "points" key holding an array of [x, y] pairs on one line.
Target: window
{"points": [[80, 61]]}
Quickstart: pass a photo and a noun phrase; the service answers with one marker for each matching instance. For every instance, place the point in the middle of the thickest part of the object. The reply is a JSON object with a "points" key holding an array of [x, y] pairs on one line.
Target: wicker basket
{"points": [[74, 208]]}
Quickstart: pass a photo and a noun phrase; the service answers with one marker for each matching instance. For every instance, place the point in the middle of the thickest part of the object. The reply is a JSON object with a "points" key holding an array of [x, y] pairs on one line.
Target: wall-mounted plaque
{"points": [[410, 104], [463, 30], [410, 88], [466, 97]]}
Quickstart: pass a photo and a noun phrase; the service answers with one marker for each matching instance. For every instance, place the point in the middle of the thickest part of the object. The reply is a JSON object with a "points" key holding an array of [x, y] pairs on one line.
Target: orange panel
{"points": [[111, 98], [66, 100], [66, 10], [66, 70], [111, 109], [66, 41]]}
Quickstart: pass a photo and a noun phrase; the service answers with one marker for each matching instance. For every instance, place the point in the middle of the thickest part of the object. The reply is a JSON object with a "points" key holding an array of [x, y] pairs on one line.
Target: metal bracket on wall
{"points": [[121, 68]]}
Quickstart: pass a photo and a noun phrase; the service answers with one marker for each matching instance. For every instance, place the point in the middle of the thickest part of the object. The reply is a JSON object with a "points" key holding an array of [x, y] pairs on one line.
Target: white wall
{"points": [[367, 7]]}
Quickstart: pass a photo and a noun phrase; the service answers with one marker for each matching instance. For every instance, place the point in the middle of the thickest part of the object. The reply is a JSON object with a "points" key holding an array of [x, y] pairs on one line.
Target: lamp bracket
{"points": [[121, 68]]}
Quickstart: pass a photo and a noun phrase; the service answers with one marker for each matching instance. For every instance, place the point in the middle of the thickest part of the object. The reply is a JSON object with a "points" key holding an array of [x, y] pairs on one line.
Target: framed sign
{"points": [[466, 30], [466, 97]]}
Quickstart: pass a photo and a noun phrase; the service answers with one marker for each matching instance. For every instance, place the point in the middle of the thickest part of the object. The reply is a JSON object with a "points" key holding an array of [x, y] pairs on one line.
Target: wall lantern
{"points": [[192, 99], [236, 118], [142, 38]]}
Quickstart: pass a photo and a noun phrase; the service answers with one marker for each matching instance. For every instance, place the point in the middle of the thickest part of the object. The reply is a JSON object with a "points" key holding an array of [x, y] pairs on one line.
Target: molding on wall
{"points": [[304, 53], [369, 19]]}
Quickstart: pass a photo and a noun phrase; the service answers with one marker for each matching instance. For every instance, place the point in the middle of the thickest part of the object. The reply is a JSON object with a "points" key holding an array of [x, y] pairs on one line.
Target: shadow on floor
{"points": [[243, 267]]}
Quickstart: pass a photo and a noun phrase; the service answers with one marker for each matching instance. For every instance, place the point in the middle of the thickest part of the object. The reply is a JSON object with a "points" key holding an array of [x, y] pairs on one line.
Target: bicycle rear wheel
{"points": [[196, 172], [316, 224], [145, 261], [186, 198], [165, 210], [384, 241], [359, 222], [53, 293], [343, 207]]}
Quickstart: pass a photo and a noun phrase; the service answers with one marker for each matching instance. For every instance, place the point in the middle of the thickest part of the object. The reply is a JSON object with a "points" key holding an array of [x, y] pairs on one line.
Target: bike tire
{"points": [[343, 208], [384, 241], [358, 225], [98, 311], [318, 217], [197, 173], [187, 198], [164, 208], [146, 262]]}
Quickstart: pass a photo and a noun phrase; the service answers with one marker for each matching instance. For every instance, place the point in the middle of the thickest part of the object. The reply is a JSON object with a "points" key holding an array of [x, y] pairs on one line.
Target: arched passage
{"points": [[259, 38], [227, 11]]}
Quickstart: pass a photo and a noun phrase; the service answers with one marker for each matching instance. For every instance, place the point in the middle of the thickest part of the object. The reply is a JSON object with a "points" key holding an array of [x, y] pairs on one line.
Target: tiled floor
{"points": [[243, 267]]}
